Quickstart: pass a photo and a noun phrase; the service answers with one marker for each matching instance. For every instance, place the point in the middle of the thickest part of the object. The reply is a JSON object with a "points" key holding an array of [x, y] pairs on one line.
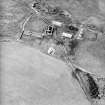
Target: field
{"points": [[31, 76]]}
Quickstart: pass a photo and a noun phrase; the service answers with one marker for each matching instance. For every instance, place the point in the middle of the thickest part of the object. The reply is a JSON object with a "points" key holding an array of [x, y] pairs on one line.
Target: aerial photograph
{"points": [[52, 52]]}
